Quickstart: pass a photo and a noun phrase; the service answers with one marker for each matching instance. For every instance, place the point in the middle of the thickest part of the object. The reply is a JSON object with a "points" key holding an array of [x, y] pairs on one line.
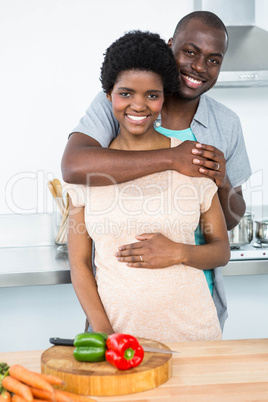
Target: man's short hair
{"points": [[138, 50], [207, 17]]}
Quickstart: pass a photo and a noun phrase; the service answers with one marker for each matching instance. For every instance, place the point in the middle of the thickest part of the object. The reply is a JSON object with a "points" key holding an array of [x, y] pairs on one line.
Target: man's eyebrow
{"points": [[211, 54]]}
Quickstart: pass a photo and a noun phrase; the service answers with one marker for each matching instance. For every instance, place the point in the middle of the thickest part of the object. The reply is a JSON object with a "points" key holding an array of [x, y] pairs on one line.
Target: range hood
{"points": [[246, 61]]}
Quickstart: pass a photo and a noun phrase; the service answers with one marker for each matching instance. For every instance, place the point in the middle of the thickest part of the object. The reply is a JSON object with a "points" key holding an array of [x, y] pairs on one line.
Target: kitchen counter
{"points": [[31, 266], [43, 265], [29, 257], [28, 254], [233, 371]]}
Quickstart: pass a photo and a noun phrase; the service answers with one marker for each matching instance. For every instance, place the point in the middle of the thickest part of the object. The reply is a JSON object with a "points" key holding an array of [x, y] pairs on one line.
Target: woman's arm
{"points": [[80, 255], [157, 251], [216, 251]]}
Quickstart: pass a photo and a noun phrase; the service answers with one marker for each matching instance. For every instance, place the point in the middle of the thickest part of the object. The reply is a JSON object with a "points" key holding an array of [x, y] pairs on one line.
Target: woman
{"points": [[170, 304]]}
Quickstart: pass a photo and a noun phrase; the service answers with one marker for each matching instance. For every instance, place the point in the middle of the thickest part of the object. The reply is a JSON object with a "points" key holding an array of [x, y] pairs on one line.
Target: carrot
{"points": [[17, 398], [52, 379], [61, 397], [41, 394], [29, 377], [40, 400], [6, 396], [73, 397], [13, 385]]}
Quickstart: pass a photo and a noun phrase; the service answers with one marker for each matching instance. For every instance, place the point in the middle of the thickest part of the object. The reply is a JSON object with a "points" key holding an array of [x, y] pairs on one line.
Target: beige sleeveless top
{"points": [[170, 304]]}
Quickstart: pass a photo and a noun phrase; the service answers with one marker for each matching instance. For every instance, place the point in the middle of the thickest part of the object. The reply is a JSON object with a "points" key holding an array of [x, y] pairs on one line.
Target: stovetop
{"points": [[249, 252]]}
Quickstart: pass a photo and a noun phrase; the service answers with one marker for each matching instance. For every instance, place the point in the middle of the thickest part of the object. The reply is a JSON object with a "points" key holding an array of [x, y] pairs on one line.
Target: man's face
{"points": [[199, 51]]}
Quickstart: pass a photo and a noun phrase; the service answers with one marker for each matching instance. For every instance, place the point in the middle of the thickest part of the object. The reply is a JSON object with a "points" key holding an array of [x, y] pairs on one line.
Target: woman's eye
{"points": [[125, 94], [153, 96]]}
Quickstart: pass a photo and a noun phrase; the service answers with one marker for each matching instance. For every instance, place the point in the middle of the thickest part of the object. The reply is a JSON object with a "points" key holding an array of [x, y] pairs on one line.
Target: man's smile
{"points": [[192, 82]]}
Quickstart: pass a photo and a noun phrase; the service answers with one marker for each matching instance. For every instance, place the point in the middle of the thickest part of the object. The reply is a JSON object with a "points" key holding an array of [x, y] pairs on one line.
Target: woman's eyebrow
{"points": [[133, 90], [125, 89], [154, 90]]}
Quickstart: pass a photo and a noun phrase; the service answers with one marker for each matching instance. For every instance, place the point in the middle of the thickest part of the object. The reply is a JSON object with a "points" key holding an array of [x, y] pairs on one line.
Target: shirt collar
{"points": [[201, 114]]}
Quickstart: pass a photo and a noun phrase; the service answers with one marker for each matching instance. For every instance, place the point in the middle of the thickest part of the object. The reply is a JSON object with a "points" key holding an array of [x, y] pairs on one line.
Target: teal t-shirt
{"points": [[184, 135]]}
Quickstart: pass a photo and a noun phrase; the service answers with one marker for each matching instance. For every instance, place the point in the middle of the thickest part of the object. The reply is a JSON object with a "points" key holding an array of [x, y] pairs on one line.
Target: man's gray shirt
{"points": [[213, 124]]}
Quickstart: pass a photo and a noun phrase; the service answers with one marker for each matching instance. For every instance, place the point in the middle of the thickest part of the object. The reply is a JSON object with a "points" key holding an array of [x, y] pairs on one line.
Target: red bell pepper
{"points": [[123, 351]]}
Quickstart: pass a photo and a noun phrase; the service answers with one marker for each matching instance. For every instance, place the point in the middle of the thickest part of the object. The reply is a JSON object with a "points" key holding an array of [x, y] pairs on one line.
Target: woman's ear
{"points": [[109, 96]]}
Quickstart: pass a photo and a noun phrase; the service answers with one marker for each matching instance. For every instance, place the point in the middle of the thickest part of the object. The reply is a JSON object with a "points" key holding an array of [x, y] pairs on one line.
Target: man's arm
{"points": [[233, 204], [85, 162], [213, 165]]}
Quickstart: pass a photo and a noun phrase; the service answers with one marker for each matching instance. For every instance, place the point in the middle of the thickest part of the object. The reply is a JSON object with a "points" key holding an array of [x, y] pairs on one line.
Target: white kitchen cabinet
{"points": [[247, 298], [30, 315]]}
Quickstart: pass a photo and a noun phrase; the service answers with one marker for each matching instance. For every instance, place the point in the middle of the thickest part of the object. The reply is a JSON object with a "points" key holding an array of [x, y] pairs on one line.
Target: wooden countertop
{"points": [[217, 371]]}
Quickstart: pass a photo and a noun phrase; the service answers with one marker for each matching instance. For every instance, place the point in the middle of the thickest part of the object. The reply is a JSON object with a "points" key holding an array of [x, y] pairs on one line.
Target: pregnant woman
{"points": [[169, 304]]}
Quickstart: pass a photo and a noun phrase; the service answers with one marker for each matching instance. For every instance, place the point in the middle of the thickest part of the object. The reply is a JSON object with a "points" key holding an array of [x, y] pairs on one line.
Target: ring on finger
{"points": [[141, 258], [218, 166]]}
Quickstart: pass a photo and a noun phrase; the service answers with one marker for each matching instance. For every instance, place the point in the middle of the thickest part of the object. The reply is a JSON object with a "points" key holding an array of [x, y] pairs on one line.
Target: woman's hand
{"points": [[212, 162], [153, 250]]}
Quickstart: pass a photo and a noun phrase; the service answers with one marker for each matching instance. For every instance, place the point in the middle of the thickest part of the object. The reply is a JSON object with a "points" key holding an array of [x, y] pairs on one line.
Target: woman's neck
{"points": [[146, 142]]}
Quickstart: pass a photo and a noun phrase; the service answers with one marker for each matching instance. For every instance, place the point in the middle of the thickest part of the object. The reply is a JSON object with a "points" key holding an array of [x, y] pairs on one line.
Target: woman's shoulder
{"points": [[174, 142]]}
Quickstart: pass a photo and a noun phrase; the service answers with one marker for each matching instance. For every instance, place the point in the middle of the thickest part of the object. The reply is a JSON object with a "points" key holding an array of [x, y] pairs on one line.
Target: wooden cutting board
{"points": [[103, 379]]}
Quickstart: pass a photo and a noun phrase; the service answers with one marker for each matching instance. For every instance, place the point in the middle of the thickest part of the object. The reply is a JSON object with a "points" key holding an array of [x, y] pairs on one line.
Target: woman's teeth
{"points": [[136, 117]]}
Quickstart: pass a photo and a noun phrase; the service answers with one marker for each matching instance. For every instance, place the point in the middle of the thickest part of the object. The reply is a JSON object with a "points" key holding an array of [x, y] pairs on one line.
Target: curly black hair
{"points": [[138, 50]]}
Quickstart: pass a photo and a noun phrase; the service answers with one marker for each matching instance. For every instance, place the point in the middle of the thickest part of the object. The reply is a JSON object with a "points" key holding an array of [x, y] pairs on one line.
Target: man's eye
{"points": [[214, 61], [189, 52]]}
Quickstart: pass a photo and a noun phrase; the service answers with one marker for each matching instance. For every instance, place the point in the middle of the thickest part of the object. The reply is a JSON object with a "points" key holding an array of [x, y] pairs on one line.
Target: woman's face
{"points": [[137, 98]]}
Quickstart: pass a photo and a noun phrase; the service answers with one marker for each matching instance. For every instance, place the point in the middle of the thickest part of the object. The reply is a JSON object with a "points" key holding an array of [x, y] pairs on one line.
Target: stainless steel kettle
{"points": [[242, 234]]}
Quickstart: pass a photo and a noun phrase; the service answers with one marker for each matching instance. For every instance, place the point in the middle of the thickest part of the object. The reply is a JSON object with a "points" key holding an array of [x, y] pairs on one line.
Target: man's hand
{"points": [[182, 157], [152, 251], [212, 162]]}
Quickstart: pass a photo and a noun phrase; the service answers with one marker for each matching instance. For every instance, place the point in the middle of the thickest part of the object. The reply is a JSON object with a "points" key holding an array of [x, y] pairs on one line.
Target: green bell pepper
{"points": [[90, 346]]}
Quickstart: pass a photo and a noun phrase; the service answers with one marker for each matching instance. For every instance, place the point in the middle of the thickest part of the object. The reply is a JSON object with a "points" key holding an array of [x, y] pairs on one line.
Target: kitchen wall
{"points": [[51, 53]]}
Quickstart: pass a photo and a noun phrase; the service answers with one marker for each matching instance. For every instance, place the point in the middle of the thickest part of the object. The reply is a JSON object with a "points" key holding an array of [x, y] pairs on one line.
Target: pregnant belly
{"points": [[166, 304]]}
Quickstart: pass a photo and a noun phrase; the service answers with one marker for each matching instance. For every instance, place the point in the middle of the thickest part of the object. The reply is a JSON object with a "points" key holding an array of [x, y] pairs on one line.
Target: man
{"points": [[199, 43]]}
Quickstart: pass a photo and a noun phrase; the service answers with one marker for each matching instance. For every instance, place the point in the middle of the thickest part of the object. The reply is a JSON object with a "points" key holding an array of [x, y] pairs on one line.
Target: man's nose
{"points": [[199, 65]]}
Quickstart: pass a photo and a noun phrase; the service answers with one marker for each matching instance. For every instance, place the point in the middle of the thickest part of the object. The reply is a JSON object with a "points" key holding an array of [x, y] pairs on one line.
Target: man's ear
{"points": [[109, 96], [170, 41]]}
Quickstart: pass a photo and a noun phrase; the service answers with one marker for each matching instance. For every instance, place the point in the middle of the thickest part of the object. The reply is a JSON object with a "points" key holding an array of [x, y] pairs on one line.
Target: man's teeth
{"points": [[136, 117], [192, 80]]}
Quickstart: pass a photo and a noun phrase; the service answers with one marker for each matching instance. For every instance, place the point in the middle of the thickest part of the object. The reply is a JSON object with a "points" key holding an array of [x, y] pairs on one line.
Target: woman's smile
{"points": [[137, 119]]}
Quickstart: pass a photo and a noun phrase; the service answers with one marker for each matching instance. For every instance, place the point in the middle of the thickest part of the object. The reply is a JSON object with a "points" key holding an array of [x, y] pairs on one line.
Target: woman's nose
{"points": [[138, 105]]}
